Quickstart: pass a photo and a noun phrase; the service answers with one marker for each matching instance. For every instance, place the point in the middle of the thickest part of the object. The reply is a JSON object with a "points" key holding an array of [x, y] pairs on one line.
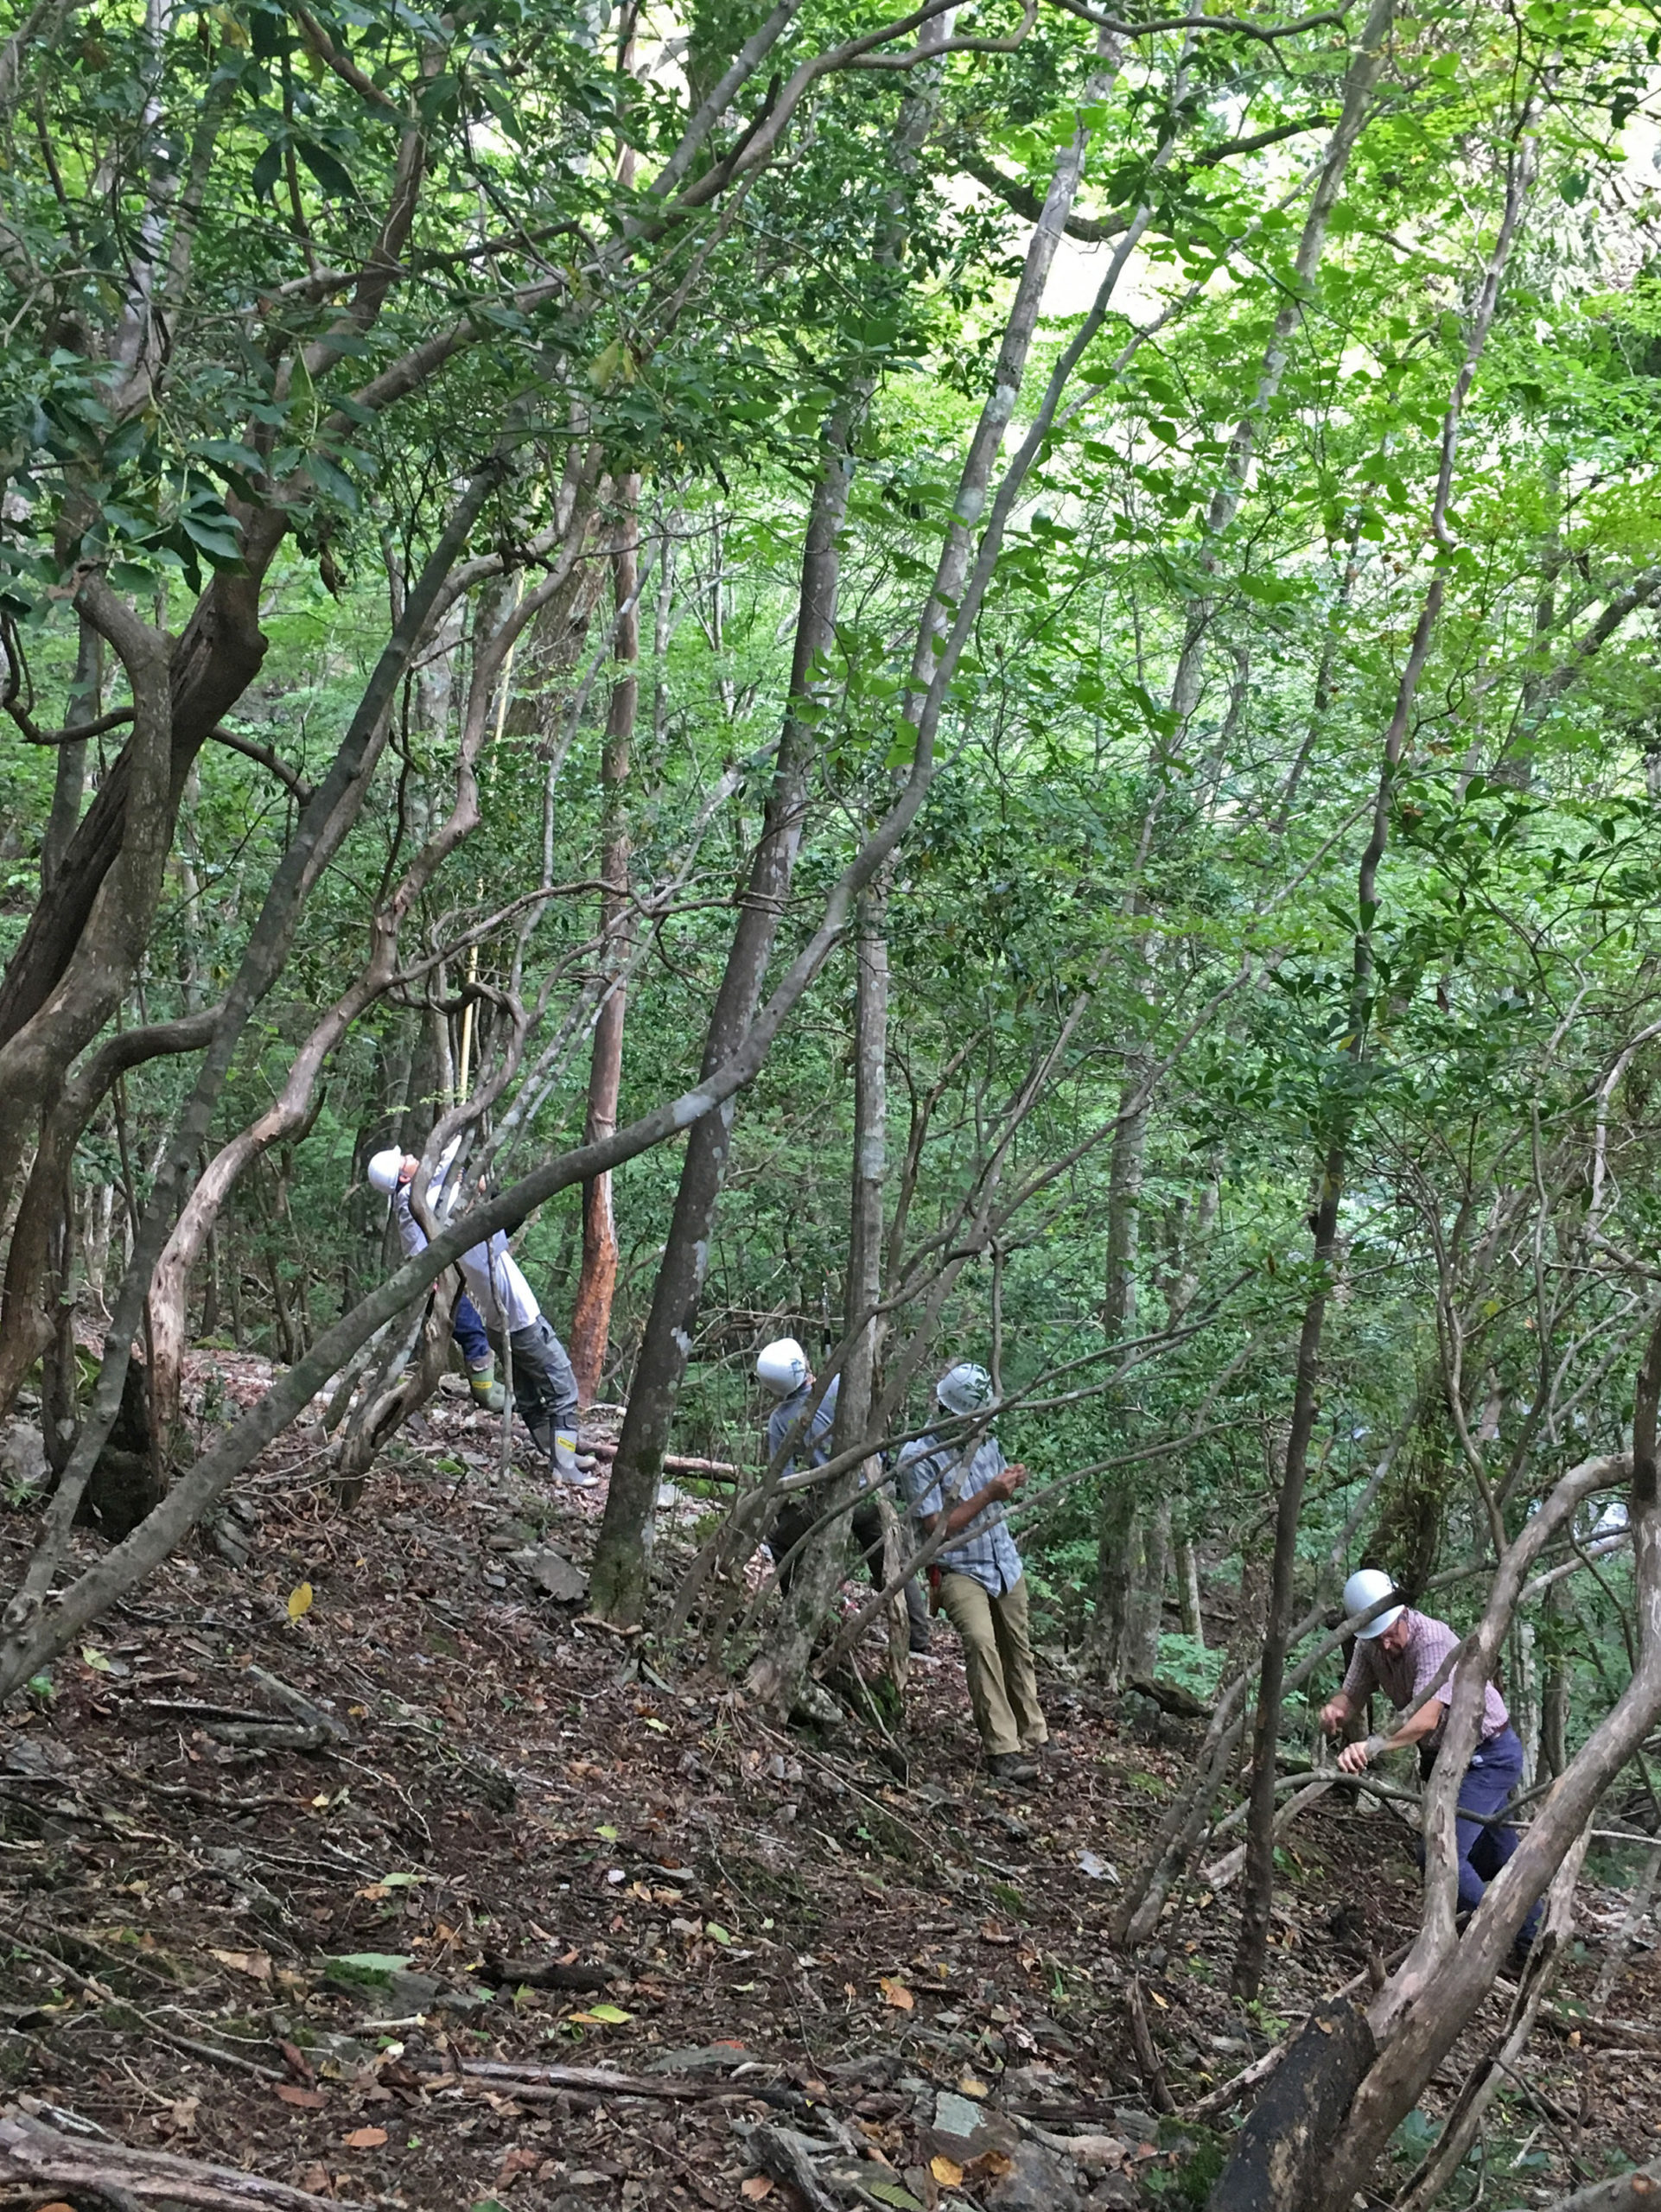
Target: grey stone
{"points": [[38, 1757], [413, 1993], [555, 1575], [1036, 2181], [22, 1457], [1116, 2193], [1140, 2127], [956, 2115], [699, 2058], [509, 1535], [457, 1997]]}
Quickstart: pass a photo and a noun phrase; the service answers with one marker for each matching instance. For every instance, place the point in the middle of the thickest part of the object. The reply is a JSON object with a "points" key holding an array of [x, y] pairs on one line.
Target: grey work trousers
{"points": [[544, 1389]]}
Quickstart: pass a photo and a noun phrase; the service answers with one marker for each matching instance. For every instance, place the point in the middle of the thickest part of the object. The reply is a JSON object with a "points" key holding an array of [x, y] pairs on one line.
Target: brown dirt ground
{"points": [[813, 1935]]}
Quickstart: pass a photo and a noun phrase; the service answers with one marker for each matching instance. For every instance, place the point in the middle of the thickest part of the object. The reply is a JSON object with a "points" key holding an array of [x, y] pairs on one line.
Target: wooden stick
{"points": [[604, 1450], [36, 2155], [1146, 2055]]}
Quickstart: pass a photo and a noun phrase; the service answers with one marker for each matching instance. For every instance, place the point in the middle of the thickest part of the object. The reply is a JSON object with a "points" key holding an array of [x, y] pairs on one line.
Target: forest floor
{"points": [[847, 1970]]}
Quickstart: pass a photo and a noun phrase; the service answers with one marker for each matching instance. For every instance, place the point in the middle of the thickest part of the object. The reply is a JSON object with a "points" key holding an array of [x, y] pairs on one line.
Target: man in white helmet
{"points": [[1400, 1652], [544, 1389], [782, 1368], [961, 1489]]}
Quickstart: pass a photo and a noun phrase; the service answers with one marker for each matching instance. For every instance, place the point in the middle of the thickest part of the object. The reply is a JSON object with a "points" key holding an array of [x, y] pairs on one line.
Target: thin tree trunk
{"points": [[1187, 1586], [1257, 1898], [1122, 1543], [1554, 1697], [1119, 1639], [622, 1556], [620, 1574], [1258, 1895], [777, 1676], [597, 1282]]}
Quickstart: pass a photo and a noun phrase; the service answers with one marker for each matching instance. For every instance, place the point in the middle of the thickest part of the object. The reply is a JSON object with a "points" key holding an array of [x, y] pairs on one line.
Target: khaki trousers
{"points": [[997, 1658]]}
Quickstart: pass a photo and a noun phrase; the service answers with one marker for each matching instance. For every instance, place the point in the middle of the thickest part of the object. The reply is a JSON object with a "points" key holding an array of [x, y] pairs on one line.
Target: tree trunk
{"points": [[1122, 1546], [621, 1564], [1259, 1882], [778, 1675], [621, 1568], [1258, 1891], [591, 1310], [1187, 1589], [1278, 2151], [1554, 1697], [1118, 1641]]}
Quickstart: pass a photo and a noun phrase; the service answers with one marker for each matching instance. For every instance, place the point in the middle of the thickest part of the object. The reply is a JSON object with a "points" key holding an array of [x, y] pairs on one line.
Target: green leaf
{"points": [[334, 481], [333, 175], [267, 169], [890, 2192]]}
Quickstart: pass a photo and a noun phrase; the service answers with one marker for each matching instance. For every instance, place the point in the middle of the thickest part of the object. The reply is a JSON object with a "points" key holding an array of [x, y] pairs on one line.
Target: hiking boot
{"points": [[1011, 1766]]}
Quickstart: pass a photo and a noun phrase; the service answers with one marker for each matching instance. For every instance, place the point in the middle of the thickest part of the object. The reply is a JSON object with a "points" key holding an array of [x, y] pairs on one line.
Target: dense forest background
{"points": [[1041, 625]]}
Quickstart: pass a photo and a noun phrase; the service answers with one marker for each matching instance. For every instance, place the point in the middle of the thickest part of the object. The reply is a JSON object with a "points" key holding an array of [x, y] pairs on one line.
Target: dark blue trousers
{"points": [[468, 1332], [1496, 1769]]}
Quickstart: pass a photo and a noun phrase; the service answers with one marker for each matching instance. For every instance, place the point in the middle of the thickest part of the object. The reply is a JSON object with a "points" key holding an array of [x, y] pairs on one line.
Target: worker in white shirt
{"points": [[544, 1389]]}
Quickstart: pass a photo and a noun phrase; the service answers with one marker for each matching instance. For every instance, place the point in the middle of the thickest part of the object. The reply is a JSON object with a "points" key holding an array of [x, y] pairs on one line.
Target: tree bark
{"points": [[69, 771], [597, 1284], [1278, 2150]]}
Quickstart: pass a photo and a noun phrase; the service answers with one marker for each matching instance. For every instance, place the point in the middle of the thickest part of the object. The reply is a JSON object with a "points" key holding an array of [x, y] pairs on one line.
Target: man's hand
{"points": [[1334, 1714], [1004, 1486], [1355, 1758]]}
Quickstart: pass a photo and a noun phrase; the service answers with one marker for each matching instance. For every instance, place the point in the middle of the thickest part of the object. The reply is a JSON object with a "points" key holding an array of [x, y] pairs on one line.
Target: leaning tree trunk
{"points": [[597, 1282]]}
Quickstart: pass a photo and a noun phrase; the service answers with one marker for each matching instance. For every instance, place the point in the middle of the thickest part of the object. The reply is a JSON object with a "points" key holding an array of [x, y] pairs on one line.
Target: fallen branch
{"points": [[1221, 1871], [1630, 2192], [527, 2079], [676, 1466], [33, 2155]]}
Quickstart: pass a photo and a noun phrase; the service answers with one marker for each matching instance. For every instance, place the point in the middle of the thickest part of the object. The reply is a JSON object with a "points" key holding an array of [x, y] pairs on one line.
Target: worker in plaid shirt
{"points": [[1402, 1652], [983, 1587]]}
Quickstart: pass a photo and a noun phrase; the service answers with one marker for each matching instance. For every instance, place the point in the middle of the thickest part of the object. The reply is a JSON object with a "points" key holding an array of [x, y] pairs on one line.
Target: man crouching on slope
{"points": [[544, 1389]]}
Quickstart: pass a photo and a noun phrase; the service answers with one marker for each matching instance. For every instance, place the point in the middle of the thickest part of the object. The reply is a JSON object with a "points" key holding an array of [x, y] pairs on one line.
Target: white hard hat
{"points": [[1365, 1588], [964, 1389], [782, 1366], [384, 1169]]}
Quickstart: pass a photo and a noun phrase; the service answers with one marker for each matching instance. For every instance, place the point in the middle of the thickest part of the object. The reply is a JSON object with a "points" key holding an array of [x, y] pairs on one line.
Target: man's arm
{"points": [[1354, 1758], [998, 1491], [1336, 1711]]}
